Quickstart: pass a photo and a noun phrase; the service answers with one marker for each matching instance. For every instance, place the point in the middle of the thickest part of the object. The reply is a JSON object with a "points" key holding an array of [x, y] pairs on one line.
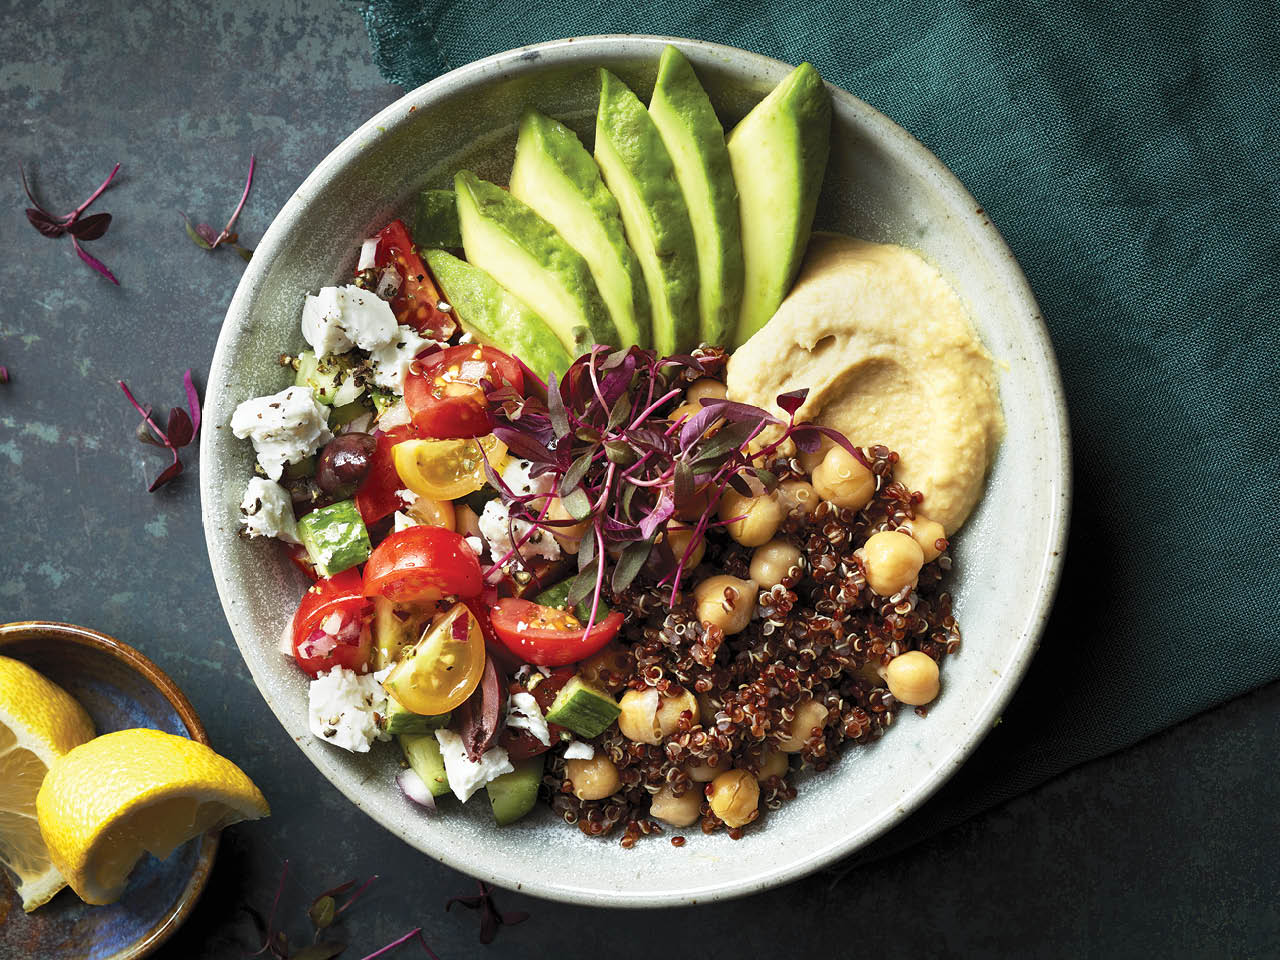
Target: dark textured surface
{"points": [[1167, 849]]}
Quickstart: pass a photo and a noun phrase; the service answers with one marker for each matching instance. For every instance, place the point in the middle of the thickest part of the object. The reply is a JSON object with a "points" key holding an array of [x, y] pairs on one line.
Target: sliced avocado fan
{"points": [[779, 155], [693, 136], [557, 178], [497, 317], [638, 171], [525, 254]]}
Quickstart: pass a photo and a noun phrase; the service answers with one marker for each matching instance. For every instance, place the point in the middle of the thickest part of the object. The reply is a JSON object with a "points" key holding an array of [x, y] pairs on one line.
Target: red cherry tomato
{"points": [[547, 636], [378, 495], [329, 628], [299, 557], [443, 394], [420, 564], [416, 303]]}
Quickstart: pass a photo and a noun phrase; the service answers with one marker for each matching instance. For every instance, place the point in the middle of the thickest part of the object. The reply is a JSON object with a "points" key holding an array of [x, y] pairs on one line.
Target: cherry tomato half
{"points": [[378, 494], [443, 390], [421, 564], [442, 669], [329, 626], [547, 636], [417, 302]]}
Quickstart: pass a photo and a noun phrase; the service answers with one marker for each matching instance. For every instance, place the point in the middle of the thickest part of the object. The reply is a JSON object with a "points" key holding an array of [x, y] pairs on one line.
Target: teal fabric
{"points": [[1128, 154]]}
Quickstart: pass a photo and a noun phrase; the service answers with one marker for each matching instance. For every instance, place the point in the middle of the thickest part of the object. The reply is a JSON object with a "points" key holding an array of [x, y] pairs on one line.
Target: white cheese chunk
{"points": [[516, 476], [403, 522], [577, 750], [523, 713], [285, 427], [267, 511], [391, 360], [338, 317], [466, 777], [496, 527], [368, 254], [344, 706], [476, 545]]}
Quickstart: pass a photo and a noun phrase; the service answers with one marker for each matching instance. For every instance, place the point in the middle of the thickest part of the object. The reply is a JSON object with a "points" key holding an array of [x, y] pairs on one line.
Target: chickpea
{"points": [[810, 716], [607, 669], [842, 479], [670, 709], [893, 561], [639, 718], [760, 517], [706, 387], [735, 797], [772, 561], [773, 763], [434, 513], [570, 536], [681, 811], [684, 411], [912, 678], [703, 772], [797, 498], [927, 533], [679, 536], [726, 602], [593, 779]]}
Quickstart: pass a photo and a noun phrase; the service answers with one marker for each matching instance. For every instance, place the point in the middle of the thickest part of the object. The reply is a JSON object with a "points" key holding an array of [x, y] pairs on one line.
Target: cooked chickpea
{"points": [[703, 772], [772, 561], [593, 779], [759, 517], [893, 561], [608, 668], [706, 387], [570, 536], [842, 479], [797, 498], [735, 797], [639, 718], [726, 602], [680, 811], [773, 763], [684, 411], [670, 709], [679, 536], [912, 678], [927, 533], [810, 716]]}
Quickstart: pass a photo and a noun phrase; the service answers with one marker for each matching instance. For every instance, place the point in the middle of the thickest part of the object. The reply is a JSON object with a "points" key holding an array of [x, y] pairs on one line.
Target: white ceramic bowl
{"points": [[881, 184]]}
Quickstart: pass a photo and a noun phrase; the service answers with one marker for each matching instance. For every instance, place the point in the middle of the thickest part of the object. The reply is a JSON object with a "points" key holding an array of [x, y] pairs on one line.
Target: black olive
{"points": [[344, 462]]}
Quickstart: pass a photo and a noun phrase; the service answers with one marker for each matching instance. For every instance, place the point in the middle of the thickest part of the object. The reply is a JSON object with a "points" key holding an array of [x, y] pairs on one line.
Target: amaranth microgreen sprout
{"points": [[80, 229]]}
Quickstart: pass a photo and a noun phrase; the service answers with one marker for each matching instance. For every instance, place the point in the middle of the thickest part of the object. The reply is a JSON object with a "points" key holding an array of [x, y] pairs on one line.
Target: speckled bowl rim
{"points": [[1057, 498], [199, 879]]}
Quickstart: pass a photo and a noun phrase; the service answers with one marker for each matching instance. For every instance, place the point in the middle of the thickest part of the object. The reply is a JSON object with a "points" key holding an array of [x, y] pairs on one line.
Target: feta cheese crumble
{"points": [[516, 476], [368, 254], [403, 521], [285, 427], [344, 706], [523, 713], [577, 750], [267, 511], [391, 360], [338, 317], [465, 776], [476, 545], [496, 526]]}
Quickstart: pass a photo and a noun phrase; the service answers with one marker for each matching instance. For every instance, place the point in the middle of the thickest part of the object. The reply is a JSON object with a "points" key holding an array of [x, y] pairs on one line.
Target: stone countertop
{"points": [[1148, 850]]}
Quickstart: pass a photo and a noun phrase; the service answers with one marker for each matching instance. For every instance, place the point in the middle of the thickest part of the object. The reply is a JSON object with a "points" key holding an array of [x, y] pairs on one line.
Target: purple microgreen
{"points": [[577, 470], [201, 234], [656, 519], [490, 916], [577, 504], [179, 427], [522, 444], [414, 934], [90, 228], [629, 564], [555, 408], [683, 483], [183, 427], [193, 401], [93, 261], [45, 223], [740, 484], [792, 401], [206, 238], [620, 452], [620, 413], [245, 253], [168, 473], [268, 938], [767, 478], [4, 375]]}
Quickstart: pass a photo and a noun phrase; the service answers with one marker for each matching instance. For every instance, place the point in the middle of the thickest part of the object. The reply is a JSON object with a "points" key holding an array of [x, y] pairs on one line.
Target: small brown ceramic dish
{"points": [[121, 689]]}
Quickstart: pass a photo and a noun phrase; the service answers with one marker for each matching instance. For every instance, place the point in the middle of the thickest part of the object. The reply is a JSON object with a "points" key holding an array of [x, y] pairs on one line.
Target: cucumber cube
{"points": [[585, 709], [335, 537]]}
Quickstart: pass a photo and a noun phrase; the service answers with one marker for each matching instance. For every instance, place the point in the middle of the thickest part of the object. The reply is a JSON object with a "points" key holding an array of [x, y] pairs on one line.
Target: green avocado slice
{"points": [[526, 255], [555, 176], [693, 136], [497, 317], [779, 155], [638, 171]]}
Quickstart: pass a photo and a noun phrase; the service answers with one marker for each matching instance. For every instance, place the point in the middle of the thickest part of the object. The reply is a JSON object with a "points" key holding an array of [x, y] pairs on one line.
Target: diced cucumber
{"points": [[328, 377], [423, 753], [306, 467], [341, 416], [514, 794], [335, 537], [382, 401], [558, 597], [586, 710], [403, 720], [436, 224]]}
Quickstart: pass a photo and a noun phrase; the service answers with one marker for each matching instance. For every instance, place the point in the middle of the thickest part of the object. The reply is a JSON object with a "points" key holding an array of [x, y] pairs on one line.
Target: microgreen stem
{"points": [[92, 197], [412, 934], [670, 395], [595, 600], [226, 231], [355, 896], [160, 434]]}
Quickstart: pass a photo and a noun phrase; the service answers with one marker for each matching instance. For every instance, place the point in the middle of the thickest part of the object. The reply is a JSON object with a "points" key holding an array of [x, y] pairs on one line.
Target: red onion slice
{"points": [[415, 789]]}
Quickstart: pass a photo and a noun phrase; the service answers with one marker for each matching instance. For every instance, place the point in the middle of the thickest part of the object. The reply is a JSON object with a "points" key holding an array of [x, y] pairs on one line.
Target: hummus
{"points": [[885, 346]]}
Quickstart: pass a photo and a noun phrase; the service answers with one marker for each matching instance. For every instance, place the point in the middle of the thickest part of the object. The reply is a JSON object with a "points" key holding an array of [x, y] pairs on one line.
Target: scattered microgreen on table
{"points": [[79, 228], [182, 428], [203, 235]]}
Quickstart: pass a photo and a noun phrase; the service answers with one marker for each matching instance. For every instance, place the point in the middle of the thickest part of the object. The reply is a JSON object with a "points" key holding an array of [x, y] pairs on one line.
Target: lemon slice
{"points": [[106, 803], [39, 721]]}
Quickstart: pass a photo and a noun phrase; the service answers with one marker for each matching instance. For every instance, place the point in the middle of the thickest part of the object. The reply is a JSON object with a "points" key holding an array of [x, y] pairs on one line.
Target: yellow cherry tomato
{"points": [[447, 469], [443, 668]]}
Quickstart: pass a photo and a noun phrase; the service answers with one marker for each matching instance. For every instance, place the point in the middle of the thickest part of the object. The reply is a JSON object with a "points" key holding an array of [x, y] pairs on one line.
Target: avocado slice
{"points": [[638, 171], [514, 794], [335, 537], [423, 753], [583, 708], [403, 720], [497, 317], [779, 155], [436, 222], [683, 114], [555, 175], [525, 254]]}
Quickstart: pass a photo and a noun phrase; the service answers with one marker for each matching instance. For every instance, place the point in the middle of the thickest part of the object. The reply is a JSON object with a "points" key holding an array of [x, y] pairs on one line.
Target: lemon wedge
{"points": [[106, 803], [39, 721]]}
